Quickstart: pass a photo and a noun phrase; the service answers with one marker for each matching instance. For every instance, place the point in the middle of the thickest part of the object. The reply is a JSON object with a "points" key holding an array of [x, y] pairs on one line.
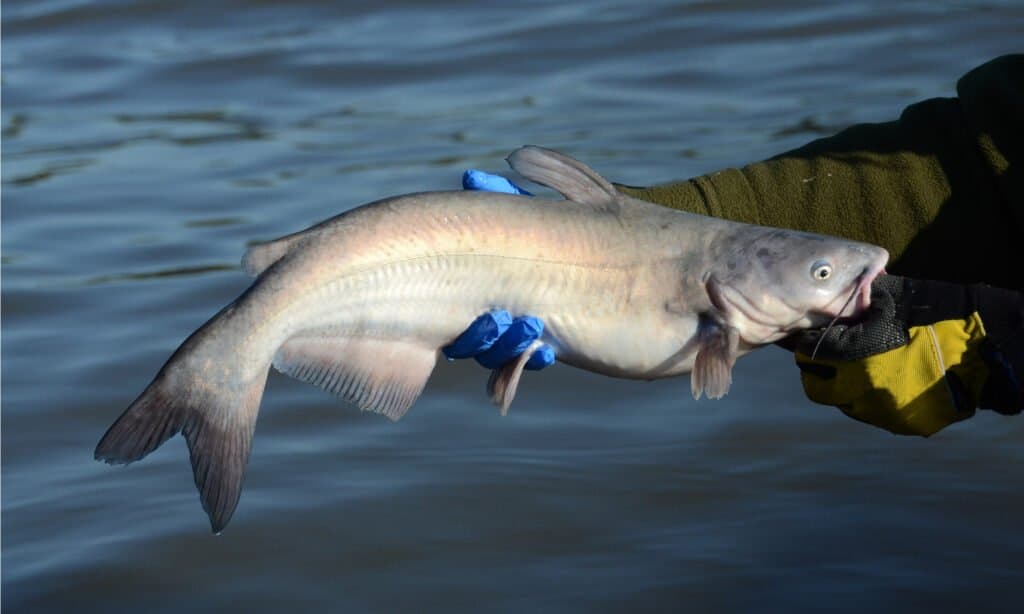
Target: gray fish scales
{"points": [[362, 303]]}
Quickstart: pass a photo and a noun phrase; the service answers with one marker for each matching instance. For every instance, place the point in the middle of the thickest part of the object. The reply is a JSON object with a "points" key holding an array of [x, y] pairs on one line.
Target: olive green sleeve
{"points": [[942, 187]]}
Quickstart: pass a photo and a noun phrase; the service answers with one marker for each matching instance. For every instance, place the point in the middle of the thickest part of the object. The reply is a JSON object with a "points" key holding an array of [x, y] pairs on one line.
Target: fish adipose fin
{"points": [[712, 369], [379, 375], [503, 382], [569, 177], [217, 423]]}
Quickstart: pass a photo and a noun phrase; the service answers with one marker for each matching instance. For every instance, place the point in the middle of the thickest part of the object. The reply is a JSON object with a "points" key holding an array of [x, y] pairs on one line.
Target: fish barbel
{"points": [[362, 303]]}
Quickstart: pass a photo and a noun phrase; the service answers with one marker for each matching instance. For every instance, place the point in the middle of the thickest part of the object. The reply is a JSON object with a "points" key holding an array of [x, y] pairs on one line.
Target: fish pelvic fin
{"points": [[716, 355], [218, 424], [568, 176], [380, 375], [502, 384]]}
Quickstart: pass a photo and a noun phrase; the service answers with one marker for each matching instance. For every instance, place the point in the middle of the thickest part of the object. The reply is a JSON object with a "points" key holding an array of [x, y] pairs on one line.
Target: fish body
{"points": [[361, 305]]}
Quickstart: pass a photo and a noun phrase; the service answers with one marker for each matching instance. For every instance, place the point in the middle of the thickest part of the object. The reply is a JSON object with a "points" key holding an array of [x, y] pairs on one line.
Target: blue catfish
{"points": [[362, 303]]}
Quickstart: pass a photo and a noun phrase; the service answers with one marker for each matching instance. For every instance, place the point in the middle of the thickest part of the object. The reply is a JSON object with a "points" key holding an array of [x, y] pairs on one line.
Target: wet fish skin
{"points": [[362, 303]]}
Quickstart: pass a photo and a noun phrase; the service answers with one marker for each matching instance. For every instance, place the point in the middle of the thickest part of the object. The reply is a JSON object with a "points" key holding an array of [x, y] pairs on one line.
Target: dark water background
{"points": [[144, 143]]}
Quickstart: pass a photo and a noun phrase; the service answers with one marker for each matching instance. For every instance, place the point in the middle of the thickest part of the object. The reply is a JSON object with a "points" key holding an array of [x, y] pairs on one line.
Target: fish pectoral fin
{"points": [[380, 375], [502, 384], [568, 176], [712, 369]]}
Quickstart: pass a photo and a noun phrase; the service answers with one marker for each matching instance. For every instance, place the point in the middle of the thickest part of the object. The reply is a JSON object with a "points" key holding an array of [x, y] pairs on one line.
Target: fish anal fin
{"points": [[716, 355], [385, 376], [502, 384], [568, 176]]}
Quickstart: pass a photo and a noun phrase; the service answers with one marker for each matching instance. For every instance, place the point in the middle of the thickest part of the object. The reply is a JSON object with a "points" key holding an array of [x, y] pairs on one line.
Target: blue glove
{"points": [[496, 338], [486, 182]]}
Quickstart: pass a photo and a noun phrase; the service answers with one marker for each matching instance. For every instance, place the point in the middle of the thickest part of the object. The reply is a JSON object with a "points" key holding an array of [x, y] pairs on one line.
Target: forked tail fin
{"points": [[217, 422]]}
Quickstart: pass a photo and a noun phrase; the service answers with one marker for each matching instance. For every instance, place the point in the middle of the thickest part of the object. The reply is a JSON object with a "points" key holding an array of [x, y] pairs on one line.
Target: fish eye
{"points": [[821, 270]]}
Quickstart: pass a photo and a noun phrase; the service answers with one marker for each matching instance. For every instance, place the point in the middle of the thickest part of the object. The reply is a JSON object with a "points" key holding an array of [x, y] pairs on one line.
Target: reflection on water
{"points": [[226, 127], [147, 275], [14, 125], [807, 125], [154, 141], [214, 222], [56, 168]]}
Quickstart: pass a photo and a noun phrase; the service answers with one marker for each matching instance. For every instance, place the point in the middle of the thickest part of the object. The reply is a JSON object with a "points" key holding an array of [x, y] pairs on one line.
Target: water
{"points": [[145, 143]]}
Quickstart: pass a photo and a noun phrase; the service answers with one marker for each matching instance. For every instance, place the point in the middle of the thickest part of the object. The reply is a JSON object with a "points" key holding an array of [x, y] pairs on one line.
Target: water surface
{"points": [[146, 143]]}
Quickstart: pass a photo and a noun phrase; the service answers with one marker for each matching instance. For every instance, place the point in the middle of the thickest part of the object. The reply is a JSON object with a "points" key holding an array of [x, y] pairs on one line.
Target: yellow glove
{"points": [[925, 356]]}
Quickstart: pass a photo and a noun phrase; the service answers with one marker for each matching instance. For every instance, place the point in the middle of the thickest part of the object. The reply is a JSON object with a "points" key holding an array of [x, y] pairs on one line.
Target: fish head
{"points": [[774, 282]]}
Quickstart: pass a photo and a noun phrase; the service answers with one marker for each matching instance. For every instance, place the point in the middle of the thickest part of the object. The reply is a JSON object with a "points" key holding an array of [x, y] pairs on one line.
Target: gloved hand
{"points": [[926, 355], [495, 338]]}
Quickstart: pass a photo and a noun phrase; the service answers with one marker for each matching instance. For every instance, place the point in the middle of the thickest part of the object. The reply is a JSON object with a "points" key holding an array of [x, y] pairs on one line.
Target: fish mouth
{"points": [[867, 277], [860, 298]]}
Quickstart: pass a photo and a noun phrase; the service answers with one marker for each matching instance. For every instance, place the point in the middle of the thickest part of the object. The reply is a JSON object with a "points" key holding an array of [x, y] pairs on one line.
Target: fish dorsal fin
{"points": [[570, 177], [259, 257], [379, 375]]}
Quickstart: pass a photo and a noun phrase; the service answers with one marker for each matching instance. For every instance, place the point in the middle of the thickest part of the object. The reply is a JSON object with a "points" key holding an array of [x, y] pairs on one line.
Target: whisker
{"points": [[853, 293]]}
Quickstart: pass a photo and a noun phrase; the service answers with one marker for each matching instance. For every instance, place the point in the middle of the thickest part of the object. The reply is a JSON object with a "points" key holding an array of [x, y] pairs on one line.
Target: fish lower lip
{"points": [[864, 288], [864, 297]]}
